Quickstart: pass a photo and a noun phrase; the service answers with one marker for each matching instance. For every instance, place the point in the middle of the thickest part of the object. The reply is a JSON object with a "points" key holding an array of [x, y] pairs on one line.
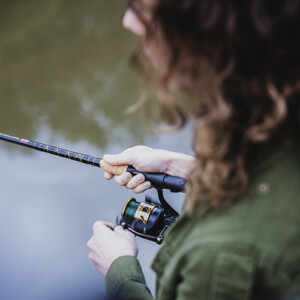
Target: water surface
{"points": [[65, 80]]}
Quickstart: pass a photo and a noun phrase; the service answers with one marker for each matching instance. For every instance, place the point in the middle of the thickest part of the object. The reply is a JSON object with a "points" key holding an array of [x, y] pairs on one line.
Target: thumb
{"points": [[118, 159]]}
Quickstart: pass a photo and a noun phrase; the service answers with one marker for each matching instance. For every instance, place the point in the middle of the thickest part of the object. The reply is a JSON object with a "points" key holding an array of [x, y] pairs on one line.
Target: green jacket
{"points": [[248, 251]]}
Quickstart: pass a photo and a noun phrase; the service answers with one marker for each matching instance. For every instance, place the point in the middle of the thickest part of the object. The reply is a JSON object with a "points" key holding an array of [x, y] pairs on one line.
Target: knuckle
{"points": [[91, 257], [97, 225], [124, 179], [139, 147], [89, 243], [136, 181], [131, 184]]}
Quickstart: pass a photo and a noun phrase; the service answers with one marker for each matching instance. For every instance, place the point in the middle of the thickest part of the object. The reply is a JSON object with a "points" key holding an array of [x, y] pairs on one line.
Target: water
{"points": [[65, 80]]}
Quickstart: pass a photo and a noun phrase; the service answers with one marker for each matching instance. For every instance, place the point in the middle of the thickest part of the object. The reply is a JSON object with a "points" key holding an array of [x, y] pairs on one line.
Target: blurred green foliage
{"points": [[64, 66]]}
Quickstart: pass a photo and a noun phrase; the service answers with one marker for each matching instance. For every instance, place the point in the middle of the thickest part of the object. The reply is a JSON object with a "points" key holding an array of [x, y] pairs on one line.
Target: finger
{"points": [[135, 181], [93, 257], [142, 187], [90, 243], [124, 158], [108, 176], [119, 229], [101, 228], [123, 179], [98, 225]]}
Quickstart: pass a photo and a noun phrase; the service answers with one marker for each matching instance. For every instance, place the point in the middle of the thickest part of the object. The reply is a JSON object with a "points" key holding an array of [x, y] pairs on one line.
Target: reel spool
{"points": [[146, 219]]}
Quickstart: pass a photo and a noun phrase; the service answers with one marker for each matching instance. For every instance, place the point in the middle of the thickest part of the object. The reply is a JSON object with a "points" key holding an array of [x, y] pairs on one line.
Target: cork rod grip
{"points": [[116, 170]]}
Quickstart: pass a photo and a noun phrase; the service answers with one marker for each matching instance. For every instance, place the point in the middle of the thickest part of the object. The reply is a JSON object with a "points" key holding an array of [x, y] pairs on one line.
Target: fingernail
{"points": [[140, 177]]}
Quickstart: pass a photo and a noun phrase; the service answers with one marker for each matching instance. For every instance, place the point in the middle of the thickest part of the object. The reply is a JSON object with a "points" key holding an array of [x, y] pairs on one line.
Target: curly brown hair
{"points": [[240, 61]]}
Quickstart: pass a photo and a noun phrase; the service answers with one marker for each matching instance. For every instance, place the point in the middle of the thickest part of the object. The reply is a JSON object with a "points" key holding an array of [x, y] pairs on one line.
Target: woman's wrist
{"points": [[180, 164]]}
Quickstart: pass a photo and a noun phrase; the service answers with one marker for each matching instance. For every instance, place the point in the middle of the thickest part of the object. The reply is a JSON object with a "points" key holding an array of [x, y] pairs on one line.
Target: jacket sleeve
{"points": [[125, 280]]}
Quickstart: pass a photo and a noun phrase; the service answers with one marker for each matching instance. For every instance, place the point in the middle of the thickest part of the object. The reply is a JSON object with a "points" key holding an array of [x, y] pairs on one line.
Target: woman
{"points": [[238, 236]]}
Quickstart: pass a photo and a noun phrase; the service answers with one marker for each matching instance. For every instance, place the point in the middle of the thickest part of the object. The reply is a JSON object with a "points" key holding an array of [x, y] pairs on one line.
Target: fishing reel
{"points": [[146, 219]]}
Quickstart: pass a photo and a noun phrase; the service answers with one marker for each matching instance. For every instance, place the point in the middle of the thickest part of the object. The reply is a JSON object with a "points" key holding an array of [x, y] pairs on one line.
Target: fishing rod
{"points": [[147, 219], [158, 180]]}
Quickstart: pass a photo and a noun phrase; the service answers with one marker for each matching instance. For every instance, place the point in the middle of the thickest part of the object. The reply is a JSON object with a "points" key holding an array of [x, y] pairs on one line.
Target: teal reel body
{"points": [[146, 219]]}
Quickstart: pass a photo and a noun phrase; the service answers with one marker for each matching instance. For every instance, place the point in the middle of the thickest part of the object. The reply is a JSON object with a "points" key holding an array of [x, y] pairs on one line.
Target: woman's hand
{"points": [[106, 245], [147, 159]]}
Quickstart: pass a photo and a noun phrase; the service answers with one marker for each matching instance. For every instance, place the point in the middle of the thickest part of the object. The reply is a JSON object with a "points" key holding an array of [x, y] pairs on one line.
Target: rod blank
{"points": [[158, 180]]}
